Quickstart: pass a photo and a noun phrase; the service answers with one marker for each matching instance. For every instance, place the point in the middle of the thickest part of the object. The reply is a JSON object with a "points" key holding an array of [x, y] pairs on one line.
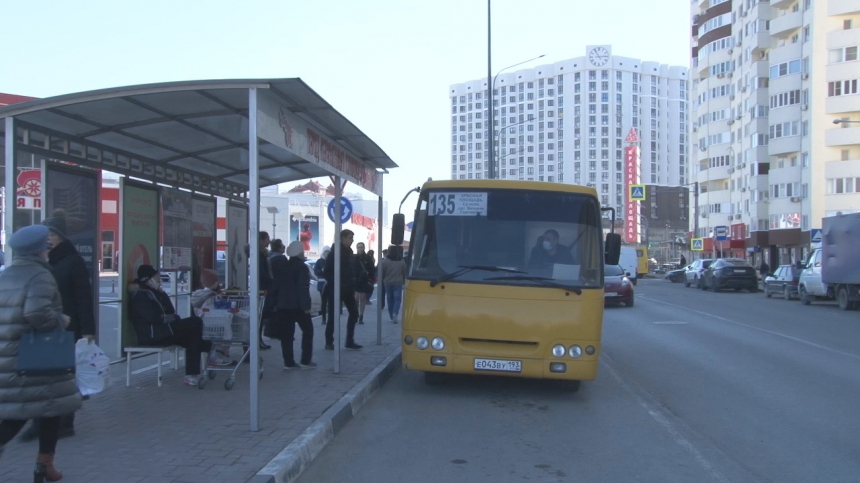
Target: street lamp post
{"points": [[491, 166], [274, 210]]}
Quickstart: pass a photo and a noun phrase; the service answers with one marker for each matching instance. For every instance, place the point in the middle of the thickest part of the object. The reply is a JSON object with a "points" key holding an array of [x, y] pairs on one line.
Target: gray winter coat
{"points": [[29, 299]]}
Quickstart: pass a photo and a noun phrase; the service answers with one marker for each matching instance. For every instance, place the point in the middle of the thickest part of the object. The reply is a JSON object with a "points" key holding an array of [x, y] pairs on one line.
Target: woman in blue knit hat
{"points": [[29, 300]]}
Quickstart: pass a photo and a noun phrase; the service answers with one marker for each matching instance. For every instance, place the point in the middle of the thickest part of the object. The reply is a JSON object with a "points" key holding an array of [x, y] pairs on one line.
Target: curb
{"points": [[287, 465]]}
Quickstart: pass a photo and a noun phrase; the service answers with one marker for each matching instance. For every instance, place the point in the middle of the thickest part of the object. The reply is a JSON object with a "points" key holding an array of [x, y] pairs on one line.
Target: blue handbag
{"points": [[46, 353]]}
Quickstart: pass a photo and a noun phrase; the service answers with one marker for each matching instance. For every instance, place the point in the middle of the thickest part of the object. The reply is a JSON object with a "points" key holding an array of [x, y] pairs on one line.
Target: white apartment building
{"points": [[768, 160], [566, 122]]}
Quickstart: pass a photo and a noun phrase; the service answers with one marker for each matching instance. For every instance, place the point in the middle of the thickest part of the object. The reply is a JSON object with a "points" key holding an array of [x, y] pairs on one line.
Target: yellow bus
{"points": [[506, 278], [642, 262]]}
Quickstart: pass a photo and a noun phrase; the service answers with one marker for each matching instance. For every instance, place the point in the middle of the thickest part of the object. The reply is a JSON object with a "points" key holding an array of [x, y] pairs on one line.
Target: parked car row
{"points": [[717, 274]]}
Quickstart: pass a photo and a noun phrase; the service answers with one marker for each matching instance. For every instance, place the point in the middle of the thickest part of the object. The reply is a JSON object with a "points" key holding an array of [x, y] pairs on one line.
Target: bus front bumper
{"points": [[556, 368]]}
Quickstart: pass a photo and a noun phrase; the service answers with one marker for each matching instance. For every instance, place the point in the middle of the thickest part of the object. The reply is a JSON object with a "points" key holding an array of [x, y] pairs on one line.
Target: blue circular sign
{"points": [[345, 210]]}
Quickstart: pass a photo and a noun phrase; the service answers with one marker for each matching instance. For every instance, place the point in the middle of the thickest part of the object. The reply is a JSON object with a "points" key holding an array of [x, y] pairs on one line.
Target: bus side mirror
{"points": [[612, 252], [398, 226]]}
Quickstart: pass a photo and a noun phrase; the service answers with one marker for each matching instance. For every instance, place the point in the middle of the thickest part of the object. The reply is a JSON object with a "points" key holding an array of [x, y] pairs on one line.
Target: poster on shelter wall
{"points": [[306, 229], [176, 229], [237, 239], [139, 232], [203, 238], [73, 197]]}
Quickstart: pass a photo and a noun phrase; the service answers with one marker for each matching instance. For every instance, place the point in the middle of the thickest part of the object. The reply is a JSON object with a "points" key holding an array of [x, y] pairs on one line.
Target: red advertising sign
{"points": [[631, 177]]}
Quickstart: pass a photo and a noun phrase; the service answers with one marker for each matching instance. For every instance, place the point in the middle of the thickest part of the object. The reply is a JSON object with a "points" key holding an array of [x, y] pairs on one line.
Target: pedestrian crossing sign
{"points": [[637, 192], [697, 244]]}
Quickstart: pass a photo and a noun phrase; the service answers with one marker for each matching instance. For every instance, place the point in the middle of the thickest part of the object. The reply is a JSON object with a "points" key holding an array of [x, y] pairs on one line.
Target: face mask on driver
{"points": [[547, 245]]}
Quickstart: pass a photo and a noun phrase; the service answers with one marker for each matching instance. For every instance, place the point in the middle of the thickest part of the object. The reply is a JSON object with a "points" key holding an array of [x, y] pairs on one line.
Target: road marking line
{"points": [[661, 419], [792, 338]]}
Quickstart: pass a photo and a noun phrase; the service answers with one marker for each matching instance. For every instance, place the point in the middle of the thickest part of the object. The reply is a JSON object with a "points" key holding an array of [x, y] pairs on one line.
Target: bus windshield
{"points": [[508, 237]]}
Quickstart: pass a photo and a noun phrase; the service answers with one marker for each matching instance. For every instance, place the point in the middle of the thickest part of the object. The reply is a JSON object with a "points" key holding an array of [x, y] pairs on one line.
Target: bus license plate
{"points": [[496, 365]]}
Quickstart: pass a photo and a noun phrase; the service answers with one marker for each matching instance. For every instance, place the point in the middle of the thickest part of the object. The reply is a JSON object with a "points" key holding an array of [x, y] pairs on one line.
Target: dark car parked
{"points": [[677, 275], [734, 273], [784, 280], [618, 288]]}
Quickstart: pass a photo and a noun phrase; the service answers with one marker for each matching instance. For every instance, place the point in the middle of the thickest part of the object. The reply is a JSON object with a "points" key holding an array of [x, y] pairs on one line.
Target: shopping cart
{"points": [[227, 321]]}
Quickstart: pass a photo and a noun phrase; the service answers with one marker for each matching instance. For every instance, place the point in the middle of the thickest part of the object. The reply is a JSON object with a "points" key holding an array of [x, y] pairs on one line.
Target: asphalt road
{"points": [[693, 387]]}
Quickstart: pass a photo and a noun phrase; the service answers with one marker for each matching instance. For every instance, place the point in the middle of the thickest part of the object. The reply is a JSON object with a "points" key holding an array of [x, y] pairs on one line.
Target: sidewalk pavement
{"points": [[179, 434]]}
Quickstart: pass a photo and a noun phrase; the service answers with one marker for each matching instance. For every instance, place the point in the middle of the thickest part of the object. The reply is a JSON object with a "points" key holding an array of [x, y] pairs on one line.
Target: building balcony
{"points": [[843, 38], [842, 169], [785, 53], [759, 42], [781, 3], [845, 136], [842, 7], [784, 26], [784, 145], [841, 104], [719, 172]]}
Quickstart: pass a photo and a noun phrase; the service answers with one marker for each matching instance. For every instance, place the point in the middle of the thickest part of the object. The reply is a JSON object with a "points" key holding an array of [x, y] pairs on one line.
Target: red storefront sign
{"points": [[631, 177]]}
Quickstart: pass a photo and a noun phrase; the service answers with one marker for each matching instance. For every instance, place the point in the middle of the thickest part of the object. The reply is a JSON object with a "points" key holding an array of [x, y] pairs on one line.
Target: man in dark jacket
{"points": [[319, 271], [292, 284], [347, 290], [73, 282], [156, 323]]}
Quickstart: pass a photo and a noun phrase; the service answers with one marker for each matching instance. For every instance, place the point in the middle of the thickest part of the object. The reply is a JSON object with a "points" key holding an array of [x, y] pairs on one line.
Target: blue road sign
{"points": [[815, 235], [721, 233], [697, 244], [637, 192], [345, 210]]}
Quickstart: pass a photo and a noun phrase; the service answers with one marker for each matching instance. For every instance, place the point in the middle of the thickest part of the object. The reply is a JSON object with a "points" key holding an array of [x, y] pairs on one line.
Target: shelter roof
{"points": [[190, 134]]}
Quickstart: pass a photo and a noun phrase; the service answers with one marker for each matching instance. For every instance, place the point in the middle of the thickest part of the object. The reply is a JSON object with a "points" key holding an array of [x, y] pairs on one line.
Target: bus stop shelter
{"points": [[225, 138]]}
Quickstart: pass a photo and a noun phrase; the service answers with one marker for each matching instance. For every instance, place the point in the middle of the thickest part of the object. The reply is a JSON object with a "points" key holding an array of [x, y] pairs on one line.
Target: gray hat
{"points": [[57, 223], [295, 249], [30, 240]]}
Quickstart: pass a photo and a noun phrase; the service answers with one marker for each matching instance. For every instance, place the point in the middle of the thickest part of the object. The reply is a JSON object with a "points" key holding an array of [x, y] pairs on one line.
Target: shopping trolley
{"points": [[227, 321]]}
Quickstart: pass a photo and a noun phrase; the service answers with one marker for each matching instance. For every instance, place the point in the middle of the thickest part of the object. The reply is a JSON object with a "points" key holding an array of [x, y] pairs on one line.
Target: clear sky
{"points": [[384, 64]]}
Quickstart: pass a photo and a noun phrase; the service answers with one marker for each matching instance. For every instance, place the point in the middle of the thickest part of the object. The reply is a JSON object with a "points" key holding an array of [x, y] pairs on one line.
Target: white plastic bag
{"points": [[92, 368]]}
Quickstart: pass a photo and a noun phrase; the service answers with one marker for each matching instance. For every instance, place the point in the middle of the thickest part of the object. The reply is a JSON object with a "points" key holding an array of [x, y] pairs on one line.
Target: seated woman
{"points": [[156, 323]]}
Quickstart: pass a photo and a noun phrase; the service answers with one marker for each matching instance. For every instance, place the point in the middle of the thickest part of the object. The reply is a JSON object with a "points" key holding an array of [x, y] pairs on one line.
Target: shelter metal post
{"points": [[254, 286], [380, 293], [337, 248], [10, 192]]}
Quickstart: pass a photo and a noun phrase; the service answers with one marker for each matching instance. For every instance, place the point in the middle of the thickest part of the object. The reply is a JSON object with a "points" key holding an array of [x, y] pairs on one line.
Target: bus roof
{"points": [[510, 184]]}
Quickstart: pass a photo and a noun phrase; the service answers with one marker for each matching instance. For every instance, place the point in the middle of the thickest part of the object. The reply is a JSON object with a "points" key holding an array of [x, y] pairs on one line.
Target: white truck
{"points": [[833, 270]]}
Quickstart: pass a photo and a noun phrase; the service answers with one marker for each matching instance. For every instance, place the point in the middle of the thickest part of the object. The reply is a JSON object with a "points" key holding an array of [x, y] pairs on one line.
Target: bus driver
{"points": [[549, 251]]}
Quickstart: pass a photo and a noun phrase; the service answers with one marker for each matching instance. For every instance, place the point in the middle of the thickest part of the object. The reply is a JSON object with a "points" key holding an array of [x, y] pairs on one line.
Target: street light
{"points": [[492, 165], [274, 210]]}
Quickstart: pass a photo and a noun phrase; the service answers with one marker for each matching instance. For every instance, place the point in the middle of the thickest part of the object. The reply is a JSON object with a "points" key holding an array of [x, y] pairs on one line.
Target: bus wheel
{"points": [[434, 378], [569, 386]]}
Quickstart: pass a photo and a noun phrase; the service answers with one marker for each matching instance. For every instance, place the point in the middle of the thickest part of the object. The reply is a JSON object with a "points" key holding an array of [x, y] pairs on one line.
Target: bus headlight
{"points": [[558, 350], [422, 343], [438, 344], [575, 351]]}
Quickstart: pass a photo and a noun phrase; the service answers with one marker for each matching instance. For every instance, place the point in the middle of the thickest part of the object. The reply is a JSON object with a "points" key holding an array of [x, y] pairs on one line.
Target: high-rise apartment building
{"points": [[768, 79], [567, 122]]}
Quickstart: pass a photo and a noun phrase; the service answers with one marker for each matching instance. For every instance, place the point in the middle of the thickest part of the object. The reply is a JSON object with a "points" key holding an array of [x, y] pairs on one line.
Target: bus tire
{"points": [[569, 386], [434, 378]]}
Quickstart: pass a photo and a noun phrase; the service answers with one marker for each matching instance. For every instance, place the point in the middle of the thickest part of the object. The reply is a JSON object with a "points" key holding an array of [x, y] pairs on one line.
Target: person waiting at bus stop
{"points": [[292, 294], [347, 291], [156, 323], [549, 251]]}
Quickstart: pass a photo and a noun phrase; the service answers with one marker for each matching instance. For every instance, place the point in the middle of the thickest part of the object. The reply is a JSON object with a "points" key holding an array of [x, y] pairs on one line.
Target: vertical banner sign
{"points": [[631, 177], [176, 229], [139, 242], [237, 239], [203, 238], [75, 196], [306, 229]]}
